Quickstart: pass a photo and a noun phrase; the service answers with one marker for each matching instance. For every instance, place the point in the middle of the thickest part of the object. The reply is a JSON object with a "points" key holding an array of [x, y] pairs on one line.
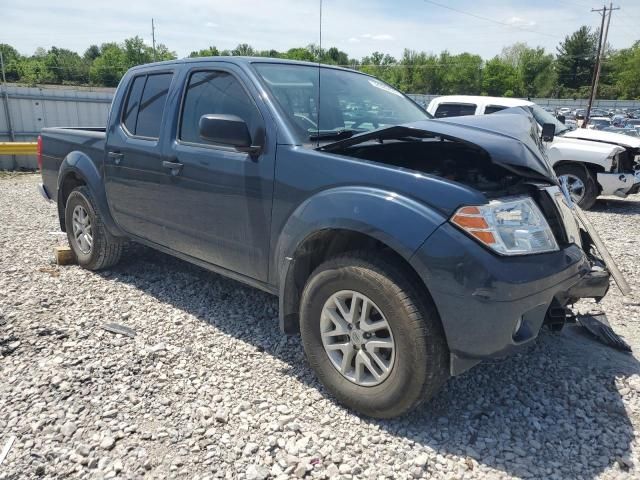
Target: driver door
{"points": [[221, 198]]}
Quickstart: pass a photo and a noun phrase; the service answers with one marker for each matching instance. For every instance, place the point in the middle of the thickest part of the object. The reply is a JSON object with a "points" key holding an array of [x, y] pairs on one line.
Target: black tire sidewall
{"points": [[404, 385], [78, 197]]}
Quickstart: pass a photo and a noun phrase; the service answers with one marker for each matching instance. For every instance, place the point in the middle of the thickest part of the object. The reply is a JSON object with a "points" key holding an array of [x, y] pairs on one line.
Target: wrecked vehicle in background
{"points": [[591, 162], [403, 249]]}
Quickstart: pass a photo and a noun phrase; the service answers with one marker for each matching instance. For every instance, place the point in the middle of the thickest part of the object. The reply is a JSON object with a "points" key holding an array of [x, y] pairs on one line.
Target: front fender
{"points": [[81, 165], [397, 221], [582, 151]]}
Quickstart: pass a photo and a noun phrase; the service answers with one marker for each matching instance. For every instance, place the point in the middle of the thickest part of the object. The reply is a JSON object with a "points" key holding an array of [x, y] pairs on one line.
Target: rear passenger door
{"points": [[135, 179]]}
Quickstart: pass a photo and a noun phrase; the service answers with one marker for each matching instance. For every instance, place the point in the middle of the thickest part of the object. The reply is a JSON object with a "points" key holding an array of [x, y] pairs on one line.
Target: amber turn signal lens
{"points": [[484, 237], [470, 222], [468, 211]]}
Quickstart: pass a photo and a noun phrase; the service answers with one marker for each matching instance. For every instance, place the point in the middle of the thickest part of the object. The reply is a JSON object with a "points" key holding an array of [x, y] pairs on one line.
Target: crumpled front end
{"points": [[492, 305]]}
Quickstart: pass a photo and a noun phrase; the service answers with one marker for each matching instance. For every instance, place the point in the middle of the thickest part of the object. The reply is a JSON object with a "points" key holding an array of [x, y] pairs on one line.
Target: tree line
{"points": [[519, 70]]}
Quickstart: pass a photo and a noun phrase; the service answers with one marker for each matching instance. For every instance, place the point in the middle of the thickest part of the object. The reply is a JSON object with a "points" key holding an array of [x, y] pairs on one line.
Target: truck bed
{"points": [[58, 142]]}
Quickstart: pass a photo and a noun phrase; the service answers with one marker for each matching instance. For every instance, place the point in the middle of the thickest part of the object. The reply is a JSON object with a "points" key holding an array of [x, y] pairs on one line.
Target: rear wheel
{"points": [[93, 246], [580, 183], [373, 338]]}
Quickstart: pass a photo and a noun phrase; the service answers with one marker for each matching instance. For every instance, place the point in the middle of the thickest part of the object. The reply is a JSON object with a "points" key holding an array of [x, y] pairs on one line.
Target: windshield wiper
{"points": [[334, 134]]}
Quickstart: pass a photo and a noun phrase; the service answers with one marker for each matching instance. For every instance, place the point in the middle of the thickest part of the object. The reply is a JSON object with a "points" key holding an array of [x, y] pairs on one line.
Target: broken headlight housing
{"points": [[510, 226]]}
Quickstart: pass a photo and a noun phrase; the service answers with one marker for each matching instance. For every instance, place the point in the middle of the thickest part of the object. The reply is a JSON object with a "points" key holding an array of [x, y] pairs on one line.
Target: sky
{"points": [[358, 27]]}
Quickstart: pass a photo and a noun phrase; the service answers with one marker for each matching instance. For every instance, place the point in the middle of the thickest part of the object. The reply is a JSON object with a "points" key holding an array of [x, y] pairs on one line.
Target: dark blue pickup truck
{"points": [[403, 249]]}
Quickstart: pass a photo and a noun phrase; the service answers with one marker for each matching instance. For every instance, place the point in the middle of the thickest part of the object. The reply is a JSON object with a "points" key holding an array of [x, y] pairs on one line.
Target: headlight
{"points": [[511, 226]]}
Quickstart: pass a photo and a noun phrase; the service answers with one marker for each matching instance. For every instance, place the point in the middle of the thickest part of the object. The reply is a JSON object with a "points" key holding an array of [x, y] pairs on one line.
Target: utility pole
{"points": [[602, 44], [153, 39]]}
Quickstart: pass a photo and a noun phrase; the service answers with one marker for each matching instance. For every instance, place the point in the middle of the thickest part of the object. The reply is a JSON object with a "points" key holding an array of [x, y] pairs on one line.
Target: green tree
{"points": [[163, 53], [12, 60], [576, 58], [109, 67], [537, 73], [243, 50], [499, 77], [462, 74], [136, 52], [299, 53], [91, 53], [206, 52], [381, 65], [66, 66], [335, 57], [625, 68]]}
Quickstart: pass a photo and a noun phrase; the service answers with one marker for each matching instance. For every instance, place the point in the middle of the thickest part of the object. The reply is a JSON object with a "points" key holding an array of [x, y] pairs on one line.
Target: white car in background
{"points": [[589, 162]]}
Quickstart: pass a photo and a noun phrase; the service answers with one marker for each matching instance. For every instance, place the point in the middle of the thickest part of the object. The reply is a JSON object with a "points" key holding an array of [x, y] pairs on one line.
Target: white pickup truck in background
{"points": [[590, 162]]}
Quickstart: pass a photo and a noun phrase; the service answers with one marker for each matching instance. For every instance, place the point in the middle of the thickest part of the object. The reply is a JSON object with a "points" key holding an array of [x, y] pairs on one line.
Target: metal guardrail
{"points": [[18, 148]]}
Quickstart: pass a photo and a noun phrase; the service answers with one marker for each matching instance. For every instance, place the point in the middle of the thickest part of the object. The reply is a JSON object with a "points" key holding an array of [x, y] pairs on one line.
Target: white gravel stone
{"points": [[209, 388]]}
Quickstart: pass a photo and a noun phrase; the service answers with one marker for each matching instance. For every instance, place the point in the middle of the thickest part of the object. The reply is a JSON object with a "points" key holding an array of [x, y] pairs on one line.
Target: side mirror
{"points": [[561, 118], [227, 130], [548, 132]]}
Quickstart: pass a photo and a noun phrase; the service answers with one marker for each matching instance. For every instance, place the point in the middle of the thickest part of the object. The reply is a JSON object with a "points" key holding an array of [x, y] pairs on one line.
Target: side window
{"points": [[133, 102], [489, 109], [152, 104], [455, 110], [214, 92]]}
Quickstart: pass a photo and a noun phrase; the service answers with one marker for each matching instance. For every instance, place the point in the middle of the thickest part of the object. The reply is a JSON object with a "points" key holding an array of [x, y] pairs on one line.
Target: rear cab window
{"points": [[145, 105], [489, 109], [455, 110]]}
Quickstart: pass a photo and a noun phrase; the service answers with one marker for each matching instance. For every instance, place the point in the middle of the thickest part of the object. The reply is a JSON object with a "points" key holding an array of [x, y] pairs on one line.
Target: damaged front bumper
{"points": [[491, 306], [619, 184]]}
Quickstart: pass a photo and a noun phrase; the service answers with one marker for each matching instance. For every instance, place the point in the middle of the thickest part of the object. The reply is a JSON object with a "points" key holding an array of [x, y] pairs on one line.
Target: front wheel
{"points": [[93, 246], [580, 183], [374, 339]]}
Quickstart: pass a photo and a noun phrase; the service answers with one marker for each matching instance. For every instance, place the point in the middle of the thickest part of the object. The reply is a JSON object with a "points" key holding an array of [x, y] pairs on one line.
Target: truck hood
{"points": [[510, 140], [605, 137]]}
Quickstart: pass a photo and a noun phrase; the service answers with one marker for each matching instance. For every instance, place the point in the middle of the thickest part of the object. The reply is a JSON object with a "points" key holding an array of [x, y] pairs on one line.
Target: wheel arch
{"points": [[342, 219], [316, 249], [592, 169], [79, 169]]}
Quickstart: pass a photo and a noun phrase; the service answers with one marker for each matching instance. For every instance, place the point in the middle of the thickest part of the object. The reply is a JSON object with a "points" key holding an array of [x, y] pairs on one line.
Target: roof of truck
{"points": [[240, 61]]}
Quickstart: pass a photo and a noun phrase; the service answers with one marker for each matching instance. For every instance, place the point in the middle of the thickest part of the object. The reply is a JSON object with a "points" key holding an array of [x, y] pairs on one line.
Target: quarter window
{"points": [[214, 92], [455, 110], [145, 105], [133, 102]]}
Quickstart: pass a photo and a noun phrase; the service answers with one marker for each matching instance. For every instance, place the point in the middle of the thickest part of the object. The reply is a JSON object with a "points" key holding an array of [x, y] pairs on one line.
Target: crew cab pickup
{"points": [[403, 249], [591, 162]]}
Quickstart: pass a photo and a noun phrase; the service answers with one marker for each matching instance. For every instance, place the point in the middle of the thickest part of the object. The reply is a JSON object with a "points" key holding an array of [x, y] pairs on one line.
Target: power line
{"points": [[487, 19]]}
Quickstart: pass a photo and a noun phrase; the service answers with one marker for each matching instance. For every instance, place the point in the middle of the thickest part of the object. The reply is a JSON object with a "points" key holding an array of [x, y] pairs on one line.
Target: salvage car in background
{"points": [[403, 249], [591, 162]]}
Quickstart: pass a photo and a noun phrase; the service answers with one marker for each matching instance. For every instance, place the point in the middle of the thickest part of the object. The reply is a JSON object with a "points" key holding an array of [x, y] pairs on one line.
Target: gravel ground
{"points": [[209, 388]]}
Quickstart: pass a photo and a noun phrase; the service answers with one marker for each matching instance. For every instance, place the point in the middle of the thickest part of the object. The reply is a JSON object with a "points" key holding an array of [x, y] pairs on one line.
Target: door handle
{"points": [[117, 157], [175, 167]]}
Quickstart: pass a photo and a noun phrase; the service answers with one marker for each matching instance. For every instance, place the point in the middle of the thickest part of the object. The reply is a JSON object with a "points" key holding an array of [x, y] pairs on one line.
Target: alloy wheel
{"points": [[82, 232], [357, 338]]}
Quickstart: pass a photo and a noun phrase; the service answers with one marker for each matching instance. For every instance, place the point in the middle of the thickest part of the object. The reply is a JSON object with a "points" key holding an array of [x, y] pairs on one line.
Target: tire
{"points": [[420, 360], [104, 250], [576, 174]]}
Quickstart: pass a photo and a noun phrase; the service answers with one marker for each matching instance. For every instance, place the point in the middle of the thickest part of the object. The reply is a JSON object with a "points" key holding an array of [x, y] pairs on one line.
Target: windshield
{"points": [[542, 117], [349, 101]]}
